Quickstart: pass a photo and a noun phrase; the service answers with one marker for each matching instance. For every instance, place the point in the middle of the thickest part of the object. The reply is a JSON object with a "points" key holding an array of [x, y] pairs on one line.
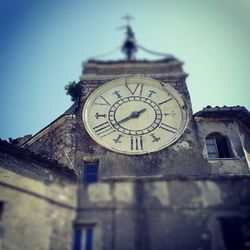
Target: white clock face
{"points": [[135, 115]]}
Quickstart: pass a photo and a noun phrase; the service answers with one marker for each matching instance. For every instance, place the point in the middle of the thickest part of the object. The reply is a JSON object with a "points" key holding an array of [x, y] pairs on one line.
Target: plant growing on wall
{"points": [[73, 89]]}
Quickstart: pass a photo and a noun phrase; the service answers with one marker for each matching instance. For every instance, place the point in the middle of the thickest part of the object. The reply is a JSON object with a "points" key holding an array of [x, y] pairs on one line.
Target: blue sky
{"points": [[43, 43]]}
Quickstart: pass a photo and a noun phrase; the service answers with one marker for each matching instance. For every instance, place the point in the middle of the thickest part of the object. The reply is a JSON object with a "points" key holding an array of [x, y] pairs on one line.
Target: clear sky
{"points": [[44, 42]]}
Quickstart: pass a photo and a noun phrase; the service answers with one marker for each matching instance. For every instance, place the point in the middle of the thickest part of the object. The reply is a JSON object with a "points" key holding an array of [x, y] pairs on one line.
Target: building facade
{"points": [[129, 166]]}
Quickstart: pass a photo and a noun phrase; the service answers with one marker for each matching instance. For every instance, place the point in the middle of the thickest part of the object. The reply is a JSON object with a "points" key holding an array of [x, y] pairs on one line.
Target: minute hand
{"points": [[140, 112]]}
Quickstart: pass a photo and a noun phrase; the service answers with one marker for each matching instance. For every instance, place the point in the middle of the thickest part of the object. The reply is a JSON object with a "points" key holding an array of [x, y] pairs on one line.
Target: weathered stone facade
{"points": [[160, 213], [171, 199], [39, 201], [56, 141]]}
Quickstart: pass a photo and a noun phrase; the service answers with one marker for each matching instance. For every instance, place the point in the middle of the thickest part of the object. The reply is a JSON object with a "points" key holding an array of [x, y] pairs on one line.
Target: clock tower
{"points": [[135, 117]]}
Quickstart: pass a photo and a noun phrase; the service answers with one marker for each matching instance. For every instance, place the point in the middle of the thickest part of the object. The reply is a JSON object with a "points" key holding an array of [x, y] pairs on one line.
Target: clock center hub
{"points": [[135, 115]]}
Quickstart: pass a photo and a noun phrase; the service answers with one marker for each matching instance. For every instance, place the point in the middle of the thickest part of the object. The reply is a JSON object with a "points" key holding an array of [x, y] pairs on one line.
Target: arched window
{"points": [[218, 146]]}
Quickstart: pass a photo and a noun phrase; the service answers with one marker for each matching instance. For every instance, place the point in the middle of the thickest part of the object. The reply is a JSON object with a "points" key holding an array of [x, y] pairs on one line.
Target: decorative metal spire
{"points": [[129, 46]]}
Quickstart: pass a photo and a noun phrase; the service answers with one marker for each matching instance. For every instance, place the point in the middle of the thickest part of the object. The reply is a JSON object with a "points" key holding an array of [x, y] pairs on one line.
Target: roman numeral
{"points": [[138, 88], [103, 101], [160, 103], [136, 143], [168, 128], [103, 129]]}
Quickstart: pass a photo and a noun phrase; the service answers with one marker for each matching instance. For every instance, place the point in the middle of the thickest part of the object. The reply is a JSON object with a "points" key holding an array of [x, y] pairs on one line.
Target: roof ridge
{"points": [[37, 158], [237, 112]]}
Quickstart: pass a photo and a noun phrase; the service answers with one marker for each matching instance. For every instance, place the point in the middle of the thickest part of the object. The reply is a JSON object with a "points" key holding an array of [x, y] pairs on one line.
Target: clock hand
{"points": [[126, 119], [141, 111], [134, 114]]}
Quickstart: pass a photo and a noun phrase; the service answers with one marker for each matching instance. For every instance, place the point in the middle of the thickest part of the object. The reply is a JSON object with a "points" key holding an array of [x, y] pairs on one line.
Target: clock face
{"points": [[135, 115]]}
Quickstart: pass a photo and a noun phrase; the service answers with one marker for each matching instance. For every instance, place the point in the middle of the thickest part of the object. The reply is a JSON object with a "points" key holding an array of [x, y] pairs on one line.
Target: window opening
{"points": [[218, 147], [90, 172], [83, 238], [236, 233], [1, 209]]}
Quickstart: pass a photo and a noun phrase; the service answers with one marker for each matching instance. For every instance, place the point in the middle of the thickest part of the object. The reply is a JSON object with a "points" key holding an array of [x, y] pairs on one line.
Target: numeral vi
{"points": [[136, 143]]}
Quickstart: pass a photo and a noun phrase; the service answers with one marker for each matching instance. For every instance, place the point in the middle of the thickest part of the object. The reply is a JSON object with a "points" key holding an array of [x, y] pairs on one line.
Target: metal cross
{"points": [[127, 18]]}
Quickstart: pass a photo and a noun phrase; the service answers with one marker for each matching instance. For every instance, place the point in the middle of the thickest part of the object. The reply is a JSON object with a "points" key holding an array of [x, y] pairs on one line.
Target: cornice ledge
{"points": [[133, 64], [112, 77]]}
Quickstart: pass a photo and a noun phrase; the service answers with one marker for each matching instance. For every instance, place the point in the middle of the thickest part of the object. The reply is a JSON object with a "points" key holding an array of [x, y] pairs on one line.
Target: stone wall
{"points": [[56, 141], [151, 213], [39, 204]]}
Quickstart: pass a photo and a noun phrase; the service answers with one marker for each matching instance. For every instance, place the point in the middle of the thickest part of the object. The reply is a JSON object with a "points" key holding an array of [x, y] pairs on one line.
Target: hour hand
{"points": [[126, 119], [134, 114]]}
